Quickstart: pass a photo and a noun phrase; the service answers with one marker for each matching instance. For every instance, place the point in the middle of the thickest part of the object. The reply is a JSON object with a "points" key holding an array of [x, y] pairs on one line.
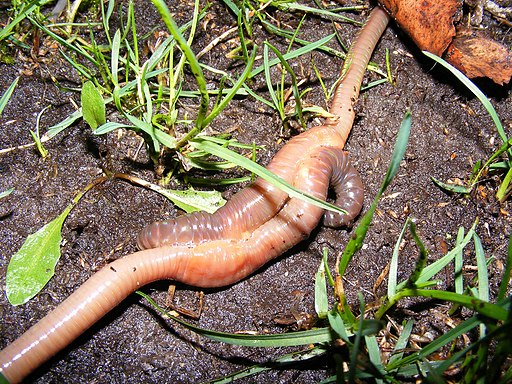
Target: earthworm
{"points": [[311, 162]]}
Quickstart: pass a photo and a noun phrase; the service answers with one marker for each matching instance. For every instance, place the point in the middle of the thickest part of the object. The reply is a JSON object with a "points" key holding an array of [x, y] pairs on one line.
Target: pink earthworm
{"points": [[227, 253]]}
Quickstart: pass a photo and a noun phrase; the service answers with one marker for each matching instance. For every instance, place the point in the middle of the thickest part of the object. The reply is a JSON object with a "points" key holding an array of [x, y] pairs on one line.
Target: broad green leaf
{"points": [[452, 187], [189, 200], [6, 193], [321, 299], [93, 105], [192, 200], [34, 264]]}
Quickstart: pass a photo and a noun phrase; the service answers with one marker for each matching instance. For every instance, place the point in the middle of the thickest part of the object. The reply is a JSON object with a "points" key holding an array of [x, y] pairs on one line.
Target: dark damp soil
{"points": [[132, 344]]}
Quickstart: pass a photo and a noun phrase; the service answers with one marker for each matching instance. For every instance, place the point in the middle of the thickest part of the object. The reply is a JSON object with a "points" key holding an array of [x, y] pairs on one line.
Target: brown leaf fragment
{"points": [[477, 55], [429, 23]]}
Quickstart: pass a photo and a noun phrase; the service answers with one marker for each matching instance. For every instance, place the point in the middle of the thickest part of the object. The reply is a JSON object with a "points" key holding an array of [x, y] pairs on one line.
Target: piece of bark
{"points": [[477, 55]]}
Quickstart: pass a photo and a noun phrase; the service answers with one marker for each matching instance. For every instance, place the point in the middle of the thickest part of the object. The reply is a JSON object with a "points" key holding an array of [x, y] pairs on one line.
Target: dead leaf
{"points": [[429, 23], [477, 55]]}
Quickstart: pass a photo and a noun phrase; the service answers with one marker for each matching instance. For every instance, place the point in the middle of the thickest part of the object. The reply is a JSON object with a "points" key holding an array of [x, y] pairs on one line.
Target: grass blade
{"points": [[320, 335], [262, 172], [433, 346], [493, 311], [7, 95], [432, 269], [192, 61], [321, 299], [473, 88], [393, 265], [356, 241], [459, 279], [422, 258], [506, 273], [293, 54]]}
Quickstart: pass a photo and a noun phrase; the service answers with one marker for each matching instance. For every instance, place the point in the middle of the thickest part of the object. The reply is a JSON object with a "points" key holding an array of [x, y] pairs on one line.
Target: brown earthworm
{"points": [[259, 224]]}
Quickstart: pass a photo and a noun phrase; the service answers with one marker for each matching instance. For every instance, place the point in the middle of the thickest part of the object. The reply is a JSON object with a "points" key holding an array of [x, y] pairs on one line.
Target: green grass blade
{"points": [[356, 241], [398, 151], [505, 280], [293, 54], [432, 269], [281, 362], [476, 91], [422, 258], [374, 353], [233, 91], [401, 343], [453, 188], [191, 57], [262, 172], [270, 86], [459, 278], [30, 7], [500, 334], [438, 343], [114, 58], [319, 335], [6, 193], [7, 95], [337, 325], [493, 311], [294, 6], [393, 264], [295, 88], [483, 277], [321, 298]]}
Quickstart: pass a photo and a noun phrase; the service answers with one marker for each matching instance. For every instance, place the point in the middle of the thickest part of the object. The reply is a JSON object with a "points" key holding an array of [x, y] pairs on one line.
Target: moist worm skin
{"points": [[311, 161]]}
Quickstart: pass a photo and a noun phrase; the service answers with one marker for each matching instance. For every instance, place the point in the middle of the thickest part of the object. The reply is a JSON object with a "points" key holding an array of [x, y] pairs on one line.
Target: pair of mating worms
{"points": [[213, 250]]}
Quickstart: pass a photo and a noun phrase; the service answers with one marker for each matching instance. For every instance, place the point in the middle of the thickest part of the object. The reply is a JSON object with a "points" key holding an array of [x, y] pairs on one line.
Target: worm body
{"points": [[203, 250], [213, 263], [254, 205]]}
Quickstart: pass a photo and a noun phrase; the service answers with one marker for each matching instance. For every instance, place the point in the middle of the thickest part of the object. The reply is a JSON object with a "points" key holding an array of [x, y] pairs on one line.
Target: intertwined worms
{"points": [[203, 250]]}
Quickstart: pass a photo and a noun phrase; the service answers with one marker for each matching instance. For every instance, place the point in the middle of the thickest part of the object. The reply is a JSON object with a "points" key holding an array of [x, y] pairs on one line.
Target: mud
{"points": [[132, 344]]}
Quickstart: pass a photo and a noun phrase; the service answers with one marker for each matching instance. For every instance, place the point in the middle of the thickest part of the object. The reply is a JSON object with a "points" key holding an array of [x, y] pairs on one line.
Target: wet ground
{"points": [[132, 344]]}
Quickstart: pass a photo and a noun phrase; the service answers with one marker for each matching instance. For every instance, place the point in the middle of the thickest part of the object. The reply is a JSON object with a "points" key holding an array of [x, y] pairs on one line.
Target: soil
{"points": [[133, 344]]}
